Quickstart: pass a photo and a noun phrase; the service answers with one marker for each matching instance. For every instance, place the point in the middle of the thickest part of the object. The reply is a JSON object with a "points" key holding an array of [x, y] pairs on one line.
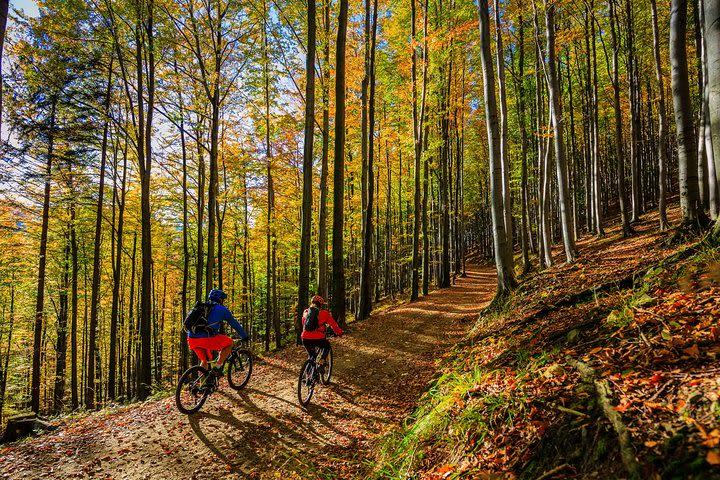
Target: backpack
{"points": [[312, 321], [197, 319]]}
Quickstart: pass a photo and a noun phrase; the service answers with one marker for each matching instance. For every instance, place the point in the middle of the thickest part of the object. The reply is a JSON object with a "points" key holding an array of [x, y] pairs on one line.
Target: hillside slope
{"points": [[606, 368]]}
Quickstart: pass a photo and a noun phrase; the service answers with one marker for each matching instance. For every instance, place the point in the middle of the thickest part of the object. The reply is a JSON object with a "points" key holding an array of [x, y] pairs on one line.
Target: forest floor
{"points": [[608, 367], [381, 369]]}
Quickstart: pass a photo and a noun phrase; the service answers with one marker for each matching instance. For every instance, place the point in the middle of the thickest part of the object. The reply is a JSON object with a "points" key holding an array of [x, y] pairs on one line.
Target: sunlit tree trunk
{"points": [[566, 220], [712, 51], [506, 280], [662, 134], [687, 152]]}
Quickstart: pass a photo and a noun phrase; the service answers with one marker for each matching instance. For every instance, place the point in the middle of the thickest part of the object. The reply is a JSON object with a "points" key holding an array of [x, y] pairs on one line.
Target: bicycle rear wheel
{"points": [[306, 383], [240, 366], [327, 372], [191, 393]]}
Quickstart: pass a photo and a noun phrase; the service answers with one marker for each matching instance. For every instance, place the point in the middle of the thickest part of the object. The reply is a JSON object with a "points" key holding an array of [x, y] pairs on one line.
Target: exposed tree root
{"points": [[604, 396]]}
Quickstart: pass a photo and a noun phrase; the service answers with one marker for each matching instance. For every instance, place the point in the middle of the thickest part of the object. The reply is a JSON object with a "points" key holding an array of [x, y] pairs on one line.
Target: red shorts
{"points": [[202, 346]]}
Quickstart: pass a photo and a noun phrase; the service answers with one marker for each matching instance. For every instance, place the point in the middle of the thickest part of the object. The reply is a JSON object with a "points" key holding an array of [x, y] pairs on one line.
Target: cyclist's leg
{"points": [[325, 345], [310, 348], [224, 344], [203, 353]]}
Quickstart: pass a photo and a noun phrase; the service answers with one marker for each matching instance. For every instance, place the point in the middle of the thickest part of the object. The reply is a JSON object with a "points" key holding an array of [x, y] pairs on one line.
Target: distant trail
{"points": [[381, 369]]}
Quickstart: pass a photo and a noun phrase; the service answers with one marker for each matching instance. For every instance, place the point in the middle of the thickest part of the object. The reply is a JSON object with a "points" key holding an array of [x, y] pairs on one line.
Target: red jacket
{"points": [[324, 318]]}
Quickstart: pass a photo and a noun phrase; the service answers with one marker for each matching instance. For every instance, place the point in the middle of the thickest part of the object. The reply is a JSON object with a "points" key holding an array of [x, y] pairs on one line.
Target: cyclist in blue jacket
{"points": [[202, 343]]}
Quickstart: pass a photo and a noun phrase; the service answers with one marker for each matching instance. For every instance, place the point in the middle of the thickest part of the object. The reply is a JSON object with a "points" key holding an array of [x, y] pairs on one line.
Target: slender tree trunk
{"points": [[117, 275], [662, 134], [40, 299], [95, 288], [62, 321], [4, 8], [338, 252], [184, 357], [417, 139], [505, 273], [270, 270], [504, 158], [520, 88], [619, 156], [304, 280], [11, 325], [144, 373], [322, 229], [566, 218], [426, 162], [366, 277]]}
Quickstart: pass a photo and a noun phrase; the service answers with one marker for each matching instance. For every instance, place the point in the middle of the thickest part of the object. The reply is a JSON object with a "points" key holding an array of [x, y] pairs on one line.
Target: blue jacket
{"points": [[217, 316]]}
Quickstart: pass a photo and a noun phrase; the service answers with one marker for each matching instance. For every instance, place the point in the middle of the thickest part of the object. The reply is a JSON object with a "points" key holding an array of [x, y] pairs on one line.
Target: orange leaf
{"points": [[622, 407], [713, 457], [693, 351]]}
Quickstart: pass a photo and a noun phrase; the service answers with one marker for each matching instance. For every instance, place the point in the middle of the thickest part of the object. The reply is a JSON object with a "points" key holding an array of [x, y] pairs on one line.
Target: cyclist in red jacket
{"points": [[315, 338]]}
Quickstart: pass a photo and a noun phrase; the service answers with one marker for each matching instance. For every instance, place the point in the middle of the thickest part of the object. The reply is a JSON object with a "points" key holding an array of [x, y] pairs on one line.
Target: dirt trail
{"points": [[381, 369]]}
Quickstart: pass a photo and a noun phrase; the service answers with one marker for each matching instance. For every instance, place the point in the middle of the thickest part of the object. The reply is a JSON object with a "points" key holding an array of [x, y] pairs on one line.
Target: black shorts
{"points": [[312, 345]]}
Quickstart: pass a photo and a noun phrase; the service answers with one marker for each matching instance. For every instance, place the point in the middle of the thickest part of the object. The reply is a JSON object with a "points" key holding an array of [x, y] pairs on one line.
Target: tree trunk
{"points": [[662, 134], [304, 280], [40, 299], [417, 142], [505, 274], [322, 228], [520, 88], [95, 288], [365, 304], [711, 20], [687, 152], [144, 141], [566, 218], [619, 156], [504, 158], [4, 8], [338, 253]]}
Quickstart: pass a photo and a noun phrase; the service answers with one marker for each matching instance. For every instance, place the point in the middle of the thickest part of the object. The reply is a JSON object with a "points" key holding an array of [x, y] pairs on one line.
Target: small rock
{"points": [[694, 397], [554, 370], [573, 337]]}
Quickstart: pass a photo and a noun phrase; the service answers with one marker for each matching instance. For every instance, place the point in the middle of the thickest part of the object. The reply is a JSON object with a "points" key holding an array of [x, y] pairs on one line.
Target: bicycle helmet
{"points": [[216, 294], [318, 299]]}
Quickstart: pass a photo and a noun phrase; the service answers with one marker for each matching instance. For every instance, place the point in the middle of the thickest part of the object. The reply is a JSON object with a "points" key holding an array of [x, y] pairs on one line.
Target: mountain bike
{"points": [[196, 384], [313, 372]]}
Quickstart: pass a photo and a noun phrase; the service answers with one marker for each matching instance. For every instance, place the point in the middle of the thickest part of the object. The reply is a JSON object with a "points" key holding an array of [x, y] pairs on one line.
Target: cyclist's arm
{"points": [[331, 321], [236, 325]]}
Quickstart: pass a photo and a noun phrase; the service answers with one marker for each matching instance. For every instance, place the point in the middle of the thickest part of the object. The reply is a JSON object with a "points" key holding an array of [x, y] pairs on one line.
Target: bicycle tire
{"points": [[306, 383], [191, 379], [327, 373], [240, 365]]}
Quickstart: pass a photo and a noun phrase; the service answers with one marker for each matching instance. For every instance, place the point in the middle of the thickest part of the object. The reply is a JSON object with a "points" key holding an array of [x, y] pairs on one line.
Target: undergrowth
{"points": [[531, 412]]}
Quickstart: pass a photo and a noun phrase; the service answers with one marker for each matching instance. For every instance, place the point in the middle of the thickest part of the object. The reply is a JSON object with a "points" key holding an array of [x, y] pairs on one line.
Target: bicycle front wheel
{"points": [[327, 372], [306, 383], [240, 366], [192, 390]]}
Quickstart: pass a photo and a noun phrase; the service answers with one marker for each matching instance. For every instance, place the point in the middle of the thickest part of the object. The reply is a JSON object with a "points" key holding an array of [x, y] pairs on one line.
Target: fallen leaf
{"points": [[713, 457]]}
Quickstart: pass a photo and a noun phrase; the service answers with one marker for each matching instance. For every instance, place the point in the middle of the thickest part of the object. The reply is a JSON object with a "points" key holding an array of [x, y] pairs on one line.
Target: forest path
{"points": [[381, 369]]}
